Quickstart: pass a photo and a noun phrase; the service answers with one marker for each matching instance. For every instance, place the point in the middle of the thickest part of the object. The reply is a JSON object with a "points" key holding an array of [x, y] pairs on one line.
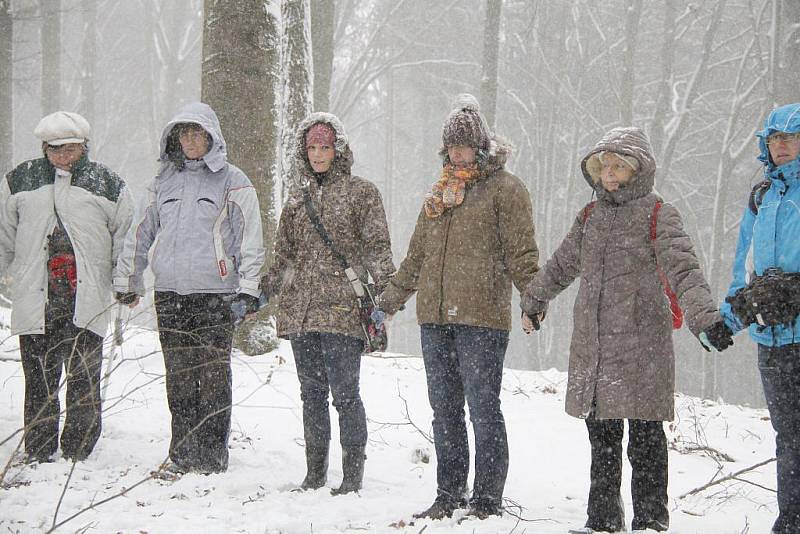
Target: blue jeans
{"points": [[466, 362], [330, 362], [780, 375]]}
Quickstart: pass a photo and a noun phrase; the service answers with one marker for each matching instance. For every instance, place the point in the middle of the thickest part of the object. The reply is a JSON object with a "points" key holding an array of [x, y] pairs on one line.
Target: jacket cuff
{"points": [[128, 285], [249, 287]]}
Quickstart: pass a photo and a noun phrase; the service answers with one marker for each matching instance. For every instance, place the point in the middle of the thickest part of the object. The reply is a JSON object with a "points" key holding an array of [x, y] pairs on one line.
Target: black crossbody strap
{"points": [[312, 214], [352, 277]]}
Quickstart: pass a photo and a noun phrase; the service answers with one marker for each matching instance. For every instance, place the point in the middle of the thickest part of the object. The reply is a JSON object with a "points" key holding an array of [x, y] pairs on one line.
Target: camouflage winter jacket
{"points": [[462, 263], [314, 294]]}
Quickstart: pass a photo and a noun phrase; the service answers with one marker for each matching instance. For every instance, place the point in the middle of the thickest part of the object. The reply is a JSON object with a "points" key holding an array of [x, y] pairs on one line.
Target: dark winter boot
{"points": [[442, 507], [353, 469], [316, 468]]}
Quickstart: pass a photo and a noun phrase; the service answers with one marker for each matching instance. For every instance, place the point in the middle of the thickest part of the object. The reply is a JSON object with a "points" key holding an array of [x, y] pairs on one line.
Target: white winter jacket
{"points": [[206, 217], [96, 209]]}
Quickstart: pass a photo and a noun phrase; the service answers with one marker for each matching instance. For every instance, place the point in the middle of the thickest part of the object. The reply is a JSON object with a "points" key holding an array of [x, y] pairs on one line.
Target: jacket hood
{"points": [[628, 141], [344, 156], [783, 119], [202, 115]]}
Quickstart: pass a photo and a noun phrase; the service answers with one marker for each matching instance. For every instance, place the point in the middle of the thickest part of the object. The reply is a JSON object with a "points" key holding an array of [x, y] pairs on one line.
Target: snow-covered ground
{"points": [[546, 490]]}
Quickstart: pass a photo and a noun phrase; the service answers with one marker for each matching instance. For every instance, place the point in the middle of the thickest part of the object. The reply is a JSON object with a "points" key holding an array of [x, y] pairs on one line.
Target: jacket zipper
{"points": [[442, 311]]}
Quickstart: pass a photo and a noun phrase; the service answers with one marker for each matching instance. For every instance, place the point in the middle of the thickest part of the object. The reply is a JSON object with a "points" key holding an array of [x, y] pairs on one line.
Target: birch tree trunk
{"points": [[322, 22], [295, 85], [491, 48], [6, 87], [51, 55]]}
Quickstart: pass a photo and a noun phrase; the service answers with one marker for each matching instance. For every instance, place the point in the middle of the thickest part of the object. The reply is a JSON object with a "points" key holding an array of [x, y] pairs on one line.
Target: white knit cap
{"points": [[63, 127]]}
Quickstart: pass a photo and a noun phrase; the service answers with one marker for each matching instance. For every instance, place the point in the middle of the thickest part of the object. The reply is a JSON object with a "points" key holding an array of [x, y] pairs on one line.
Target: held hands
{"points": [[717, 336], [244, 306], [127, 298], [529, 324], [533, 312]]}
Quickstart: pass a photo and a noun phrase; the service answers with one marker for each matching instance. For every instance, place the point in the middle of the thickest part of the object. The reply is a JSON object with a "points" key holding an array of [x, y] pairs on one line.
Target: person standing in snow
{"points": [[764, 296], [474, 236], [63, 220], [621, 363], [204, 212], [317, 308]]}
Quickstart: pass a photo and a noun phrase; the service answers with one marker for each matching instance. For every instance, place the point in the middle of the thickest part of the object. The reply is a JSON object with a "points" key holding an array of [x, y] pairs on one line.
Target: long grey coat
{"points": [[621, 352]]}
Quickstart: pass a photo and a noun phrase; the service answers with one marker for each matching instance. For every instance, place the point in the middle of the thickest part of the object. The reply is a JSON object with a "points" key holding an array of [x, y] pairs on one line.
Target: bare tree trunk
{"points": [[51, 55], [88, 58], [239, 80], [323, 15], [240, 52], [787, 86], [491, 48], [634, 13], [665, 90], [6, 88], [295, 85]]}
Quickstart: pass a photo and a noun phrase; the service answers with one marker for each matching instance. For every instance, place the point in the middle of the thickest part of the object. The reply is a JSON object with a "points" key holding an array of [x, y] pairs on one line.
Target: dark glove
{"points": [[718, 336], [378, 316], [126, 297], [771, 299], [531, 305], [243, 305]]}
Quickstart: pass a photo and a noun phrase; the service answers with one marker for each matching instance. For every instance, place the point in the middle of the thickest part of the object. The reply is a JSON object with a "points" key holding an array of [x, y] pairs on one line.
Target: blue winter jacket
{"points": [[769, 237]]}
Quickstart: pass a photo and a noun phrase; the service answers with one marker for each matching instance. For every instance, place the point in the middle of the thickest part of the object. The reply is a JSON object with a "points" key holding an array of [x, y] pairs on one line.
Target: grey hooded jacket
{"points": [[206, 217], [621, 355]]}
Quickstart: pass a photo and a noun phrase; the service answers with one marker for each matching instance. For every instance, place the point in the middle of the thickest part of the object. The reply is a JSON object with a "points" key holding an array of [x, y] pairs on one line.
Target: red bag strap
{"points": [[674, 306], [587, 210]]}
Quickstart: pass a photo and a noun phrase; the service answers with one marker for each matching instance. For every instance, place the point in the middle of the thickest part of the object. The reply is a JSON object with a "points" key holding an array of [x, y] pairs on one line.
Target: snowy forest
{"points": [[551, 77]]}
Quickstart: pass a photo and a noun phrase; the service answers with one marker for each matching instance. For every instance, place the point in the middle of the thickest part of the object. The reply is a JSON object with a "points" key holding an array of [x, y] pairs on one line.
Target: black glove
{"points": [[718, 336], [243, 305], [126, 297]]}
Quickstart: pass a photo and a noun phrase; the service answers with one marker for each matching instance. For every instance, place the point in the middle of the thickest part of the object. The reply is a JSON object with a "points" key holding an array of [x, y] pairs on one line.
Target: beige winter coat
{"points": [[314, 294], [621, 352], [462, 264]]}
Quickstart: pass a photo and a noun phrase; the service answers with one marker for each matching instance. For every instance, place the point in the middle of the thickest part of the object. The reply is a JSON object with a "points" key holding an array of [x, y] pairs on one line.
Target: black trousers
{"points": [[780, 375], [647, 452], [80, 351], [196, 334]]}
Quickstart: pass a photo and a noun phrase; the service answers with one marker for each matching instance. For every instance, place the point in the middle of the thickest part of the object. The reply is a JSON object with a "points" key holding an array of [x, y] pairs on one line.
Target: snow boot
{"points": [[442, 507], [316, 468], [353, 469]]}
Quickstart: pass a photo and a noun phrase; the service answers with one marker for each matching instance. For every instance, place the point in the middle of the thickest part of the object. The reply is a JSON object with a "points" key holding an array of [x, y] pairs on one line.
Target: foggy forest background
{"points": [[551, 76]]}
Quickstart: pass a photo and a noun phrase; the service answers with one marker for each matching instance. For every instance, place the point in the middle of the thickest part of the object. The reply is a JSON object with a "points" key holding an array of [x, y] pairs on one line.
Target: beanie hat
{"points": [[594, 165], [320, 134], [63, 127], [465, 125]]}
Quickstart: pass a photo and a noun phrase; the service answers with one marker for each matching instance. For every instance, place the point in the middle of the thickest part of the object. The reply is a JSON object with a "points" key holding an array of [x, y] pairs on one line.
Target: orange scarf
{"points": [[449, 190]]}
